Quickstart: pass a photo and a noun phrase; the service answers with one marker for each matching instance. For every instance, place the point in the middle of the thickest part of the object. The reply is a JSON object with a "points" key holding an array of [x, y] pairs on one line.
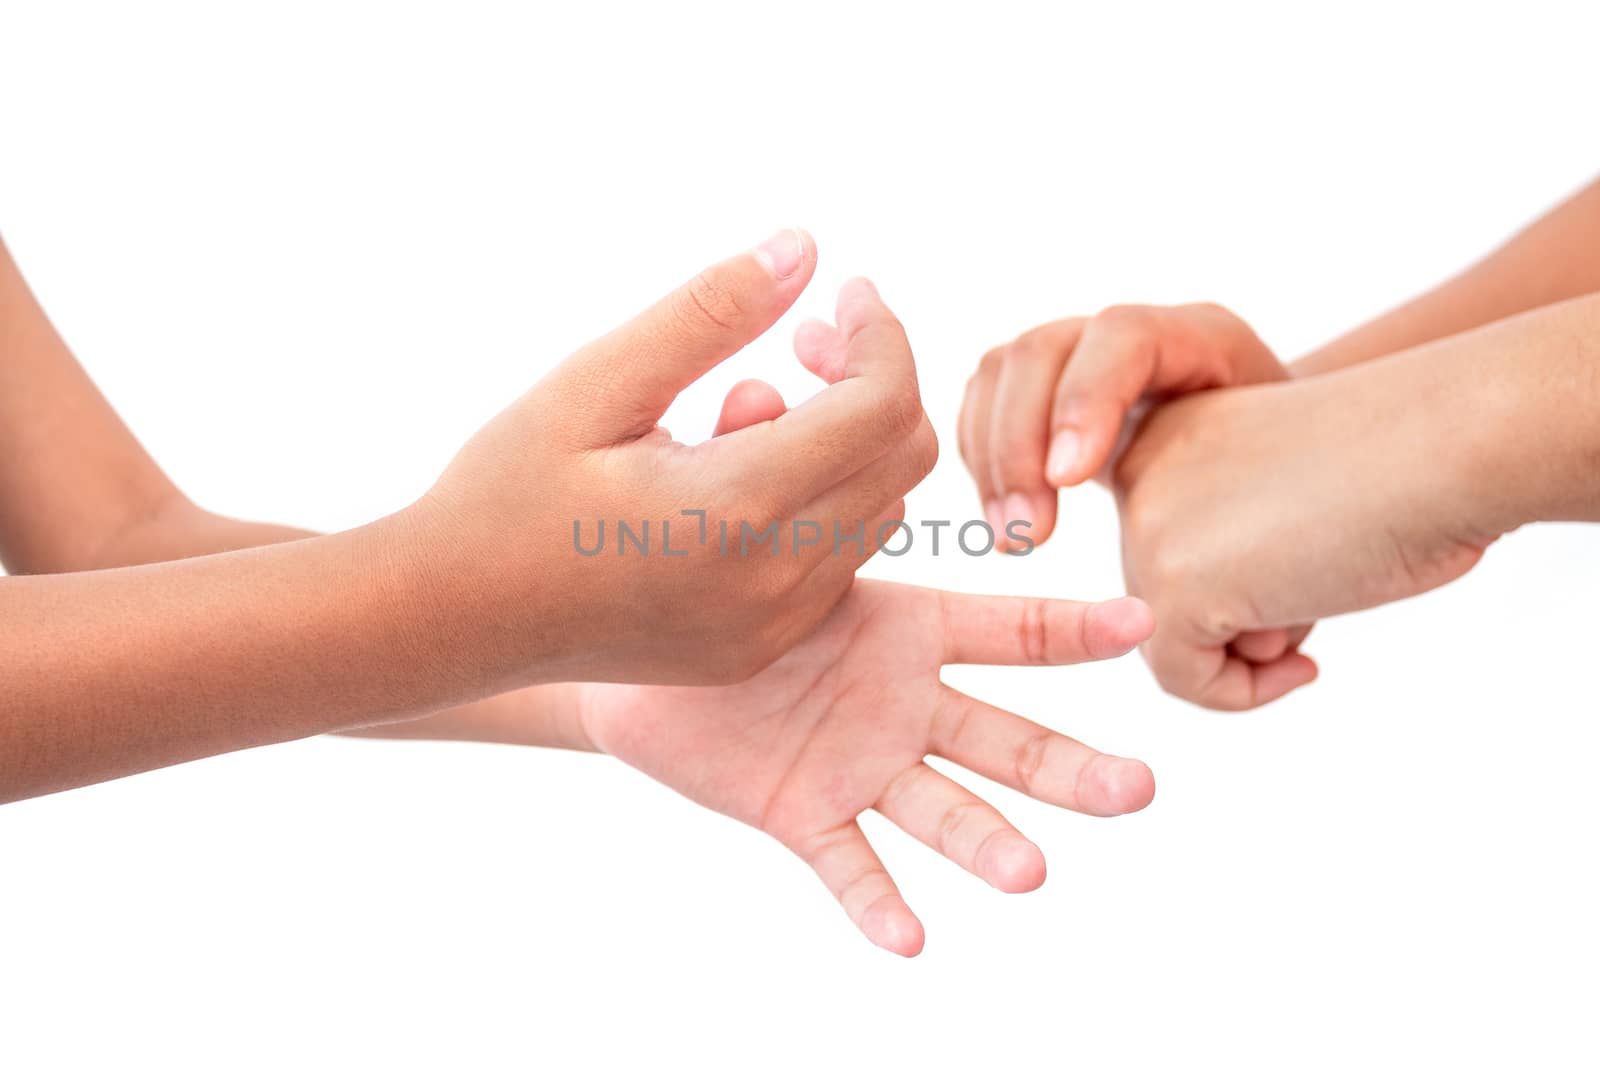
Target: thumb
{"points": [[625, 381]]}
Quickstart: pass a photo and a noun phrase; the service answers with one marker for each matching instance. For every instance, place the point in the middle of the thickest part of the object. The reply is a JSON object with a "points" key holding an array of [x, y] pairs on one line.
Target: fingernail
{"points": [[781, 253], [1018, 510], [991, 514], [1063, 459]]}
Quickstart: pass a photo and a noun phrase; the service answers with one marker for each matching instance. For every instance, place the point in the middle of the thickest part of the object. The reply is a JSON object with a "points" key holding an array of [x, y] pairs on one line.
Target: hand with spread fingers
{"points": [[844, 722]]}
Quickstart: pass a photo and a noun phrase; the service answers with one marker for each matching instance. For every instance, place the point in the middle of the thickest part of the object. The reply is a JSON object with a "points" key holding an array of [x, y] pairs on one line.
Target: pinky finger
{"points": [[853, 873], [1241, 685]]}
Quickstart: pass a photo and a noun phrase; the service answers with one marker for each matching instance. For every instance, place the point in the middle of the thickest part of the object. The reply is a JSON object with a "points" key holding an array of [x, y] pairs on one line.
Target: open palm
{"points": [[844, 721]]}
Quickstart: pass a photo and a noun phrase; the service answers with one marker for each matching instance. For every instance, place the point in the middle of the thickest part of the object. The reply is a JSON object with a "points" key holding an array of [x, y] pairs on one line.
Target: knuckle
{"points": [[1125, 318], [882, 329], [1033, 632], [1034, 344], [1046, 343], [1214, 313], [1210, 309], [952, 821], [709, 302], [1030, 760], [899, 411]]}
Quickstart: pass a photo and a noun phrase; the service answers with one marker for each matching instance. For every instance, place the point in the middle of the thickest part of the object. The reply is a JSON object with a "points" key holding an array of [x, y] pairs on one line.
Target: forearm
{"points": [[1554, 259], [544, 716], [1508, 415], [117, 671]]}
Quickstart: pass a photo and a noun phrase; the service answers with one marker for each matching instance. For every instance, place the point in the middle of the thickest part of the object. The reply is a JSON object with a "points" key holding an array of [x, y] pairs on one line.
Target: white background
{"points": [[307, 248]]}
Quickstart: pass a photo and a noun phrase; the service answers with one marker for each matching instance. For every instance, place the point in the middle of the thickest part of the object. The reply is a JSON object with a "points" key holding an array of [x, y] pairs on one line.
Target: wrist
{"points": [[1418, 450], [468, 601]]}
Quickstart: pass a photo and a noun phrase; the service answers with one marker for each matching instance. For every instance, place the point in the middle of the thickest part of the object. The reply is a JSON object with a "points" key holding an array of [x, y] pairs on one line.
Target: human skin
{"points": [[116, 664], [843, 723], [1262, 509], [1555, 258], [1292, 515], [1047, 410]]}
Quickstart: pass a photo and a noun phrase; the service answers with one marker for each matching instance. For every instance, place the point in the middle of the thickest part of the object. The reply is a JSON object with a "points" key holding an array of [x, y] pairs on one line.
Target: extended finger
{"points": [[853, 873], [966, 830], [1037, 630], [1036, 760]]}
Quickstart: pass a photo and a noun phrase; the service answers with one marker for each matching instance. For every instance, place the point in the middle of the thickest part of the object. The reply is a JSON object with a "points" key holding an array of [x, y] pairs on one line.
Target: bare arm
{"points": [[114, 662], [1554, 259], [96, 499], [1249, 514]]}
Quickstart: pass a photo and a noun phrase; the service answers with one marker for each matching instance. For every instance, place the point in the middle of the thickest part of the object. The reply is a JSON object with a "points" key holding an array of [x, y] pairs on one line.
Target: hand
{"points": [[1048, 409], [1249, 513], [502, 527], [843, 723]]}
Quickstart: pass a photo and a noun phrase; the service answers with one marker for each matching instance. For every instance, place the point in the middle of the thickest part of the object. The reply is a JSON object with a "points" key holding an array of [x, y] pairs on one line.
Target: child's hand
{"points": [[1048, 409], [702, 604], [843, 723], [1249, 513]]}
